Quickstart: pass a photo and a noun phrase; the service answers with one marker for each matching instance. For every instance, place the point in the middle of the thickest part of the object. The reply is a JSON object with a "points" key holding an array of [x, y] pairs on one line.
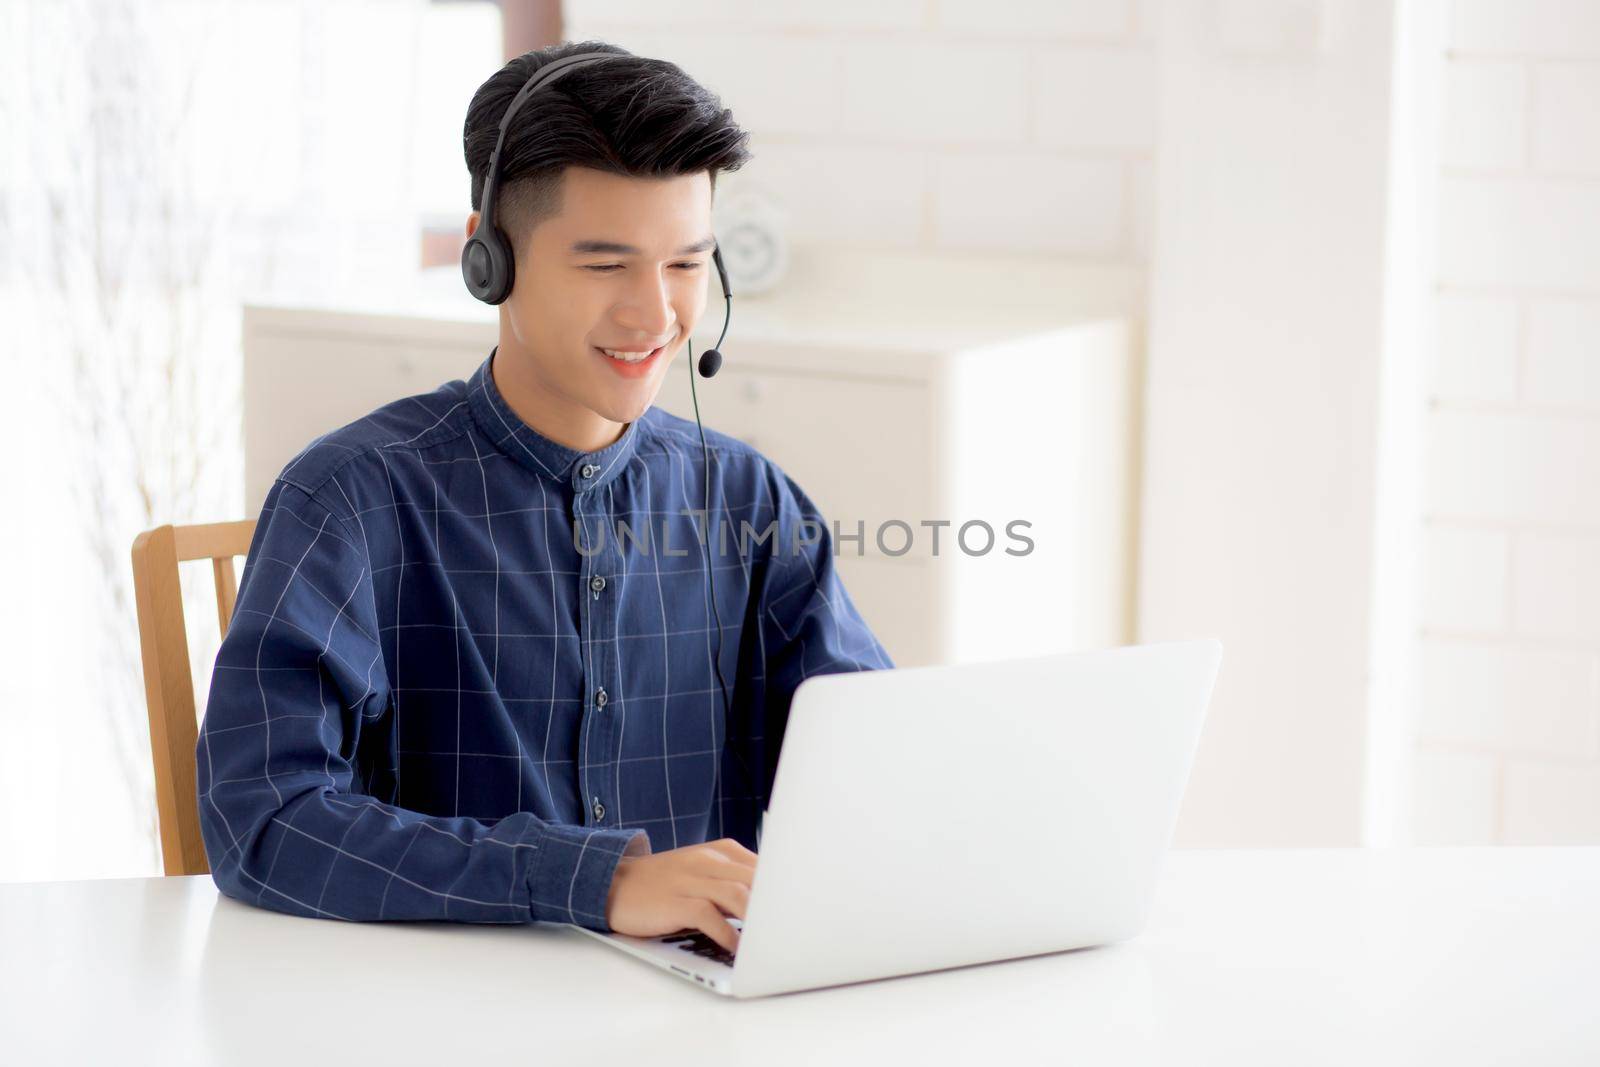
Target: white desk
{"points": [[1458, 956]]}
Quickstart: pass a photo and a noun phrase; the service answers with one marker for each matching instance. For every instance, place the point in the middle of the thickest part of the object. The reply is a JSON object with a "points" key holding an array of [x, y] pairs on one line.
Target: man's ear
{"points": [[472, 222]]}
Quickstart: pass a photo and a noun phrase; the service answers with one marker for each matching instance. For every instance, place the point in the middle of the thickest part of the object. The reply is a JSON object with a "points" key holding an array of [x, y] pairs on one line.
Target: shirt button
{"points": [[599, 810], [600, 697], [588, 470], [597, 583]]}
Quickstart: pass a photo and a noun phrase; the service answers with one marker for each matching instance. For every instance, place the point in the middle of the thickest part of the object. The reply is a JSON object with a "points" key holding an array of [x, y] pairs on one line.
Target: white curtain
{"points": [[163, 162]]}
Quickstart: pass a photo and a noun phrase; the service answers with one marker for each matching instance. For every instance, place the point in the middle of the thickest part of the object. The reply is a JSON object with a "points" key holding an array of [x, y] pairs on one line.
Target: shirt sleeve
{"points": [[809, 623], [299, 710]]}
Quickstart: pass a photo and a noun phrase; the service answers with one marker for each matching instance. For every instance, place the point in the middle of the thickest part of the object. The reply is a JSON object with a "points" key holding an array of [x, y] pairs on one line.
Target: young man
{"points": [[450, 690]]}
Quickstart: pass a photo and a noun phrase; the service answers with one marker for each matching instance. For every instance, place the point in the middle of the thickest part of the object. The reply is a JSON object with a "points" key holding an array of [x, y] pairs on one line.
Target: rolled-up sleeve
{"points": [[295, 715]]}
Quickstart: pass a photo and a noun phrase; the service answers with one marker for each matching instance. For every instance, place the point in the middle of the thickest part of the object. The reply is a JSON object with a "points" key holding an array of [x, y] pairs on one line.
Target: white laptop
{"points": [[931, 817]]}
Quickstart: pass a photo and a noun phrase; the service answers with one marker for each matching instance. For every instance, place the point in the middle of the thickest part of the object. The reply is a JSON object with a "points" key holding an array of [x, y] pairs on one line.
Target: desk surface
{"points": [[1458, 956]]}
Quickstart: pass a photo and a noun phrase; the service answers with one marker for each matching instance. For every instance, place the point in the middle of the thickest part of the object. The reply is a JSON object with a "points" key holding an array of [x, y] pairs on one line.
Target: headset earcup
{"points": [[487, 265], [505, 266], [475, 266]]}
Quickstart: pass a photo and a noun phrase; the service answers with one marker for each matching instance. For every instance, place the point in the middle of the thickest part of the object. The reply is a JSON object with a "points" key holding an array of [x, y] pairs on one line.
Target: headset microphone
{"points": [[711, 359]]}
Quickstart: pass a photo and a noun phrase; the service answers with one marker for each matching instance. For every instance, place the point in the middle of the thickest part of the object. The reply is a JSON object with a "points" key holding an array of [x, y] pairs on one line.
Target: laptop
{"points": [[923, 818]]}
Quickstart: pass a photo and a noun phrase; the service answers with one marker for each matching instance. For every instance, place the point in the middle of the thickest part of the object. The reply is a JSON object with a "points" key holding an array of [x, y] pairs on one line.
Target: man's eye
{"points": [[607, 268]]}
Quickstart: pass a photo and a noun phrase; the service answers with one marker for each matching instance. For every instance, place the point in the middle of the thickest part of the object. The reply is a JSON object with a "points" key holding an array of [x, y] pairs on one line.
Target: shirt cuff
{"points": [[570, 878]]}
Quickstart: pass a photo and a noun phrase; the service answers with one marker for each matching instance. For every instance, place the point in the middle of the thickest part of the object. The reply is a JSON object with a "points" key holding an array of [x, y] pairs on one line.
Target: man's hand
{"points": [[685, 888]]}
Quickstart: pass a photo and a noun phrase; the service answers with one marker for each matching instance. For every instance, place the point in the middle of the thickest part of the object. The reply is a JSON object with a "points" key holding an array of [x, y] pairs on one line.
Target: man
{"points": [[454, 687]]}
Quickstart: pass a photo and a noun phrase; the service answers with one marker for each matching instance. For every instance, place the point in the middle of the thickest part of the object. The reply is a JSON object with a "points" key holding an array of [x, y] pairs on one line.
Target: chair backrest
{"points": [[168, 683]]}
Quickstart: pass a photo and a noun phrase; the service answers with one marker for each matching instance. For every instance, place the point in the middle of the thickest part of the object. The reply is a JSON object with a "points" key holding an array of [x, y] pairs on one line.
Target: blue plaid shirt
{"points": [[455, 687]]}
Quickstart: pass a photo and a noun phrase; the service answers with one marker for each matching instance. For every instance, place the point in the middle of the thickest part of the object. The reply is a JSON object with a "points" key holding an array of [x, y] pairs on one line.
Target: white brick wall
{"points": [[1024, 125], [1509, 728], [1004, 125]]}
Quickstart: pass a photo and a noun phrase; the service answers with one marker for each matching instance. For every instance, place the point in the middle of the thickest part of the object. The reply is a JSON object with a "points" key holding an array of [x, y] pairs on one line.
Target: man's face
{"points": [[570, 299]]}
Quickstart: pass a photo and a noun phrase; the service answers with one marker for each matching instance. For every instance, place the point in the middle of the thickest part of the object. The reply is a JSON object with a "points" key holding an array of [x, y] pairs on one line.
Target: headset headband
{"points": [[542, 76]]}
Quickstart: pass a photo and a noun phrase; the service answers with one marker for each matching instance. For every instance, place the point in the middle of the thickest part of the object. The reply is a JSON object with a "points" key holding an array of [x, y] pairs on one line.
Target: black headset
{"points": [[487, 264], [488, 268]]}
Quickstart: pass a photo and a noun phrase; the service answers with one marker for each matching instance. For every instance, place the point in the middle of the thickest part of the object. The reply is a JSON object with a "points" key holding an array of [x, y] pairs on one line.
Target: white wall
{"points": [[1017, 125], [1508, 745], [1277, 313], [1300, 499]]}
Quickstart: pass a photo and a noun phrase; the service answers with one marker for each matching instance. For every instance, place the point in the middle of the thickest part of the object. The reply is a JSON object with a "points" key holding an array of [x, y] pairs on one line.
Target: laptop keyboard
{"points": [[700, 944]]}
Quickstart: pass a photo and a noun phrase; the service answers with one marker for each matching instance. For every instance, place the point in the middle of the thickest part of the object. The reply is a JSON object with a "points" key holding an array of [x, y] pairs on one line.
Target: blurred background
{"points": [[1289, 309]]}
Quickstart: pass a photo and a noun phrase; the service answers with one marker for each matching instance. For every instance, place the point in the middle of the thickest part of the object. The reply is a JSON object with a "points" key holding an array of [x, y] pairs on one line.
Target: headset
{"points": [[488, 268]]}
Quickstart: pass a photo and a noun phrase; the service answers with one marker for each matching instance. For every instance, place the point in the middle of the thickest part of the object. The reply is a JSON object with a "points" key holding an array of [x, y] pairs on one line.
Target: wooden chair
{"points": [[168, 683]]}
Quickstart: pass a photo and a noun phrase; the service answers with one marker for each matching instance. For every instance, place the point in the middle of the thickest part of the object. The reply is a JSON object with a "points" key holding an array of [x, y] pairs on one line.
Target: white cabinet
{"points": [[900, 392]]}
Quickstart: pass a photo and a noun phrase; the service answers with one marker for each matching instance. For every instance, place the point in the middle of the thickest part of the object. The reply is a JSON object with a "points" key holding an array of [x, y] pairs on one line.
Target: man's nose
{"points": [[648, 309]]}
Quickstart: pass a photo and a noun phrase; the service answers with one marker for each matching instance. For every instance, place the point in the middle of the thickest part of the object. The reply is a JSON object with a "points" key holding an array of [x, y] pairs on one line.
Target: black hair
{"points": [[635, 116]]}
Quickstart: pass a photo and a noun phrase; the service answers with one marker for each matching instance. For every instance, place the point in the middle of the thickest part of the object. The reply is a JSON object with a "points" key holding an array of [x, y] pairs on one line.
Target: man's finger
{"points": [[730, 896], [706, 918]]}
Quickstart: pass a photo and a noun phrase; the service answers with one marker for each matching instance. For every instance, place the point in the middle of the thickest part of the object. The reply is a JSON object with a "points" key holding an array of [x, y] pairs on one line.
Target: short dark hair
{"points": [[634, 116]]}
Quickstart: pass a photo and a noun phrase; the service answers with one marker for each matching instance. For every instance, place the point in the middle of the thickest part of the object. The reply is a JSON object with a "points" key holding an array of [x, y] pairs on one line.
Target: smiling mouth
{"points": [[623, 358], [629, 357]]}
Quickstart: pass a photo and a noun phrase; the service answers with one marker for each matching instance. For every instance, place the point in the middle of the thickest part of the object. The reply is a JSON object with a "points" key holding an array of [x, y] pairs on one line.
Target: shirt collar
{"points": [[583, 471]]}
